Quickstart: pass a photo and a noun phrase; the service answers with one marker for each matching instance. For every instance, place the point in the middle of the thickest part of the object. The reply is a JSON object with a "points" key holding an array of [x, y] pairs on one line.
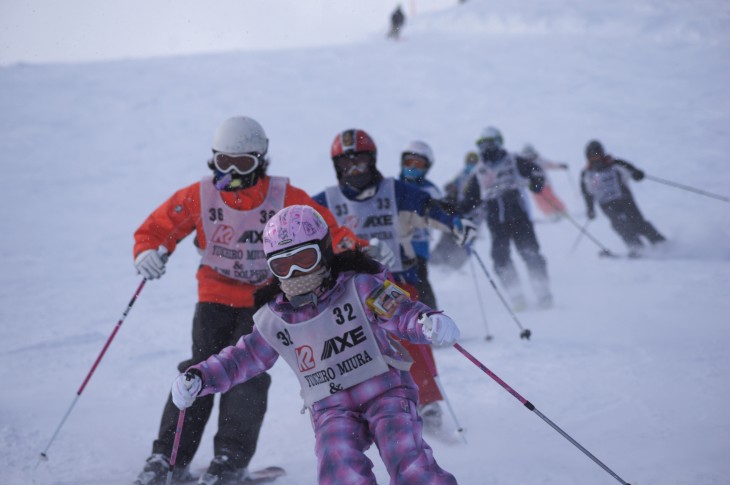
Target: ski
{"points": [[262, 475], [610, 255]]}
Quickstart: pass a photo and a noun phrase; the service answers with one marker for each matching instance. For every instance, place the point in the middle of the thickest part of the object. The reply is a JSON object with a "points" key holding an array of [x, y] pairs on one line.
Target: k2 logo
{"points": [[223, 234], [305, 358]]}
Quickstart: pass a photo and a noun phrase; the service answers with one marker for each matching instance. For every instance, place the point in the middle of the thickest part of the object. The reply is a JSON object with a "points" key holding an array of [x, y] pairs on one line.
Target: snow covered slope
{"points": [[632, 361]]}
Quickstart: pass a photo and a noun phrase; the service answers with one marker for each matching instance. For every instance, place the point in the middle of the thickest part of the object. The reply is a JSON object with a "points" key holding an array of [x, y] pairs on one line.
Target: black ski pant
{"points": [[425, 292], [520, 230], [241, 409], [629, 223]]}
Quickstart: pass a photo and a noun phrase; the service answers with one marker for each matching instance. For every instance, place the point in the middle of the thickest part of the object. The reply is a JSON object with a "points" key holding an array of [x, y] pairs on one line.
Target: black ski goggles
{"points": [[358, 161]]}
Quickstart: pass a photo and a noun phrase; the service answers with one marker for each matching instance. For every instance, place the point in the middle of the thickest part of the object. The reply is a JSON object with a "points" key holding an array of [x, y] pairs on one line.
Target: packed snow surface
{"points": [[633, 359]]}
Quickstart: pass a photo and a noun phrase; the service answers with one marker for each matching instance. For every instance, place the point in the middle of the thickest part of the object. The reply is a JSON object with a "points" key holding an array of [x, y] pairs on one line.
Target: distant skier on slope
{"points": [[416, 160], [390, 211], [605, 180], [497, 187], [397, 20], [357, 394], [446, 250], [546, 200], [455, 188]]}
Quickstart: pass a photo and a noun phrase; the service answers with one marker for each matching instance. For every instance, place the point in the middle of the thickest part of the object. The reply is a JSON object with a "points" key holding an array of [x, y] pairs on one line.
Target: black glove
{"points": [[591, 213], [563, 166], [637, 175]]}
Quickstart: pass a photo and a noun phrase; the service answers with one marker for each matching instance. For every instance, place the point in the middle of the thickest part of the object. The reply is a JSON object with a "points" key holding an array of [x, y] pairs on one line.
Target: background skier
{"points": [[416, 160], [605, 180], [546, 200], [380, 207], [497, 188], [447, 250], [397, 20]]}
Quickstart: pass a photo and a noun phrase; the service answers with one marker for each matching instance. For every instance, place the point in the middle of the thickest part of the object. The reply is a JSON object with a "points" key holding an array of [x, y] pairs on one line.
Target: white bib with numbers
{"points": [[497, 178], [234, 244], [373, 217], [331, 352], [604, 185]]}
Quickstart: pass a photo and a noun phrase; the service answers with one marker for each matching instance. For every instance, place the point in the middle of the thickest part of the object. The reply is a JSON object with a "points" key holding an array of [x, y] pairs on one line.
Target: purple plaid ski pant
{"points": [[393, 424]]}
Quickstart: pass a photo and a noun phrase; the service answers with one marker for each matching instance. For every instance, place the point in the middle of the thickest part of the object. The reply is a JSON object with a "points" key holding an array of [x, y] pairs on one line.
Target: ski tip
{"points": [[264, 475]]}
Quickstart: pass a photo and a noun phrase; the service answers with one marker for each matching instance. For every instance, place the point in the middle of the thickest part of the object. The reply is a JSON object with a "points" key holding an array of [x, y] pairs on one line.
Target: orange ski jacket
{"points": [[180, 215]]}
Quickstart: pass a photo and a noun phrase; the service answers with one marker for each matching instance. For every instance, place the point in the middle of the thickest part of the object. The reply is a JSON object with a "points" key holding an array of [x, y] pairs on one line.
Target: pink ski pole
{"points": [[175, 445], [532, 408], [44, 455]]}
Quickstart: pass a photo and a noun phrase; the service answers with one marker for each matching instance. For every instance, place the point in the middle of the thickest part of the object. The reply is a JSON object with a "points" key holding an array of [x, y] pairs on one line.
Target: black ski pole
{"points": [[525, 332], [532, 408], [44, 455], [686, 187], [479, 299], [580, 236], [604, 250], [572, 186]]}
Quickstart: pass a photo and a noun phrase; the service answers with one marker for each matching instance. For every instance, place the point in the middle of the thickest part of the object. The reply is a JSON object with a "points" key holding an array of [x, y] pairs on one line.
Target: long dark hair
{"points": [[346, 261]]}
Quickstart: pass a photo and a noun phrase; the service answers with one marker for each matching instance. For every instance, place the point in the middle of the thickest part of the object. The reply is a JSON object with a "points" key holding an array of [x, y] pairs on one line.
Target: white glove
{"points": [[465, 231], [381, 252], [185, 389], [440, 329], [151, 263]]}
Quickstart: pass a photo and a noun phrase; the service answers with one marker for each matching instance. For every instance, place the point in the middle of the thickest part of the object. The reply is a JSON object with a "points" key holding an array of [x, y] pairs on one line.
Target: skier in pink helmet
{"points": [[334, 319]]}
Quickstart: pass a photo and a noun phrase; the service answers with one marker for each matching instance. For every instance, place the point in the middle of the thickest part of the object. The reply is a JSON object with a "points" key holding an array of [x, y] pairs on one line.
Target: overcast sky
{"points": [[39, 31]]}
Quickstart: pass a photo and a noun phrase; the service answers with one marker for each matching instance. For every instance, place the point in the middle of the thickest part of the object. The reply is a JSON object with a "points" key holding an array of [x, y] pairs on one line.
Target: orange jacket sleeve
{"points": [[171, 222], [342, 237]]}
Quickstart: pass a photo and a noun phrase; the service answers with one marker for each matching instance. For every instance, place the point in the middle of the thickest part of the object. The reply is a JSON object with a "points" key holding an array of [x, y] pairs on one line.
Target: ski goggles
{"points": [[411, 160], [489, 142], [358, 161], [243, 163], [304, 258]]}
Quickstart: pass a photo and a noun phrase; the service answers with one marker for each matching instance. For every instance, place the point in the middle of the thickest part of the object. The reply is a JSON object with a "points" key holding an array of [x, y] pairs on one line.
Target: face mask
{"points": [[413, 173], [359, 181], [300, 285]]}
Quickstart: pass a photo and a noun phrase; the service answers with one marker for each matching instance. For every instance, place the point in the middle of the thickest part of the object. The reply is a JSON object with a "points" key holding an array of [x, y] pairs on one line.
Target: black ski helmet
{"points": [[594, 148]]}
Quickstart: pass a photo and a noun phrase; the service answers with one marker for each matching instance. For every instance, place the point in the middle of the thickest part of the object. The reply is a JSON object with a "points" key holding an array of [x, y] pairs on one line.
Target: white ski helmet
{"points": [[240, 134], [529, 152], [419, 148], [491, 136]]}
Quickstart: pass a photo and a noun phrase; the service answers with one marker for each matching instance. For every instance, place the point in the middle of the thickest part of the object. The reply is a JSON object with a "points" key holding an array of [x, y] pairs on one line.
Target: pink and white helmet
{"points": [[293, 226]]}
